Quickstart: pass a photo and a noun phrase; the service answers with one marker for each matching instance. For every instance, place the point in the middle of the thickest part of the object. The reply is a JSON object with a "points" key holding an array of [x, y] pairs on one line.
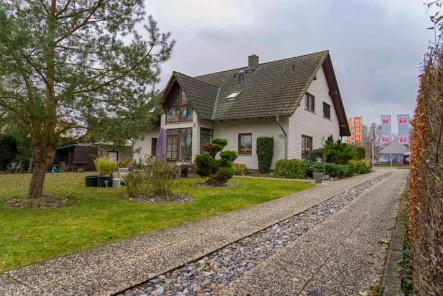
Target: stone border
{"points": [[391, 281]]}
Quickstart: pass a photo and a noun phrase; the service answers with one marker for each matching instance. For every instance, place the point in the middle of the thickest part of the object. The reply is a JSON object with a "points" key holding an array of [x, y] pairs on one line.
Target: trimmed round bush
{"points": [[205, 165], [223, 174], [240, 169], [220, 141], [228, 155]]}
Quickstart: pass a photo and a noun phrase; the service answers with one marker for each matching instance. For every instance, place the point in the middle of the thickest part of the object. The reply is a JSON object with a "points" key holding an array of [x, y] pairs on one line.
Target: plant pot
{"points": [[103, 182], [116, 183], [318, 177], [91, 181]]}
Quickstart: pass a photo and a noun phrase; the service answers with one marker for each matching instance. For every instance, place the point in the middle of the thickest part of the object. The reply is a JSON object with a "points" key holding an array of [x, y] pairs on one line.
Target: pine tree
{"points": [[67, 63]]}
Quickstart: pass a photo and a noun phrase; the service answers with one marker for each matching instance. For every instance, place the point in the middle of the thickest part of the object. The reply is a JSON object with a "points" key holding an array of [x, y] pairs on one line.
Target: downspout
{"points": [[286, 136]]}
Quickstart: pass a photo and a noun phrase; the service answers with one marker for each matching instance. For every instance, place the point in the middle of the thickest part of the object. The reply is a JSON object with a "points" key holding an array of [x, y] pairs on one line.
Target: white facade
{"points": [[267, 127], [313, 124], [142, 147], [301, 122]]}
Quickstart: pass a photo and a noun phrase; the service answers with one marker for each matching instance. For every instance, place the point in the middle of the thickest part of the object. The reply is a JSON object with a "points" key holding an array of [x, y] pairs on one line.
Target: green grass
{"points": [[98, 216], [396, 166]]}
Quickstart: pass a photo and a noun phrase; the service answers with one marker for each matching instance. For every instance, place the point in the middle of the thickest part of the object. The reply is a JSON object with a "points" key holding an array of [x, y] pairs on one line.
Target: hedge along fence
{"points": [[265, 153], [426, 182]]}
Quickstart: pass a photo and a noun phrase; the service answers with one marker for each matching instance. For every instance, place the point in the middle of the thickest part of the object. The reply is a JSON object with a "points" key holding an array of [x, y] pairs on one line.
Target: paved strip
{"points": [[113, 268], [340, 257]]}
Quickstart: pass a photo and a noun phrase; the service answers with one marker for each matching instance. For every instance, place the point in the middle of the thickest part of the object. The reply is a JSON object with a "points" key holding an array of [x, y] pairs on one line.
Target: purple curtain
{"points": [[160, 148]]}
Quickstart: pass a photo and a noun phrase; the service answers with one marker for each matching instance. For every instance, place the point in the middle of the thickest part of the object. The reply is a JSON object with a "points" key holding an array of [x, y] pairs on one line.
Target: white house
{"points": [[295, 100]]}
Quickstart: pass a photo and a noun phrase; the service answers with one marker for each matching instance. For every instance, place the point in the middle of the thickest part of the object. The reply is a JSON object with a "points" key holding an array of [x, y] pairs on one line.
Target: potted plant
{"points": [[105, 168], [318, 175]]}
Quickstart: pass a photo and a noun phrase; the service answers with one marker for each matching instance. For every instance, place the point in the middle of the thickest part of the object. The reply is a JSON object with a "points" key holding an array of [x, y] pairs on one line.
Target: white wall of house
{"points": [[142, 147], [123, 152], [304, 122], [257, 127]]}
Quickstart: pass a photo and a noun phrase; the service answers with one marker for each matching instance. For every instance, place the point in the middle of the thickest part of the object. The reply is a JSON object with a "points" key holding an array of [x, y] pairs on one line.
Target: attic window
{"points": [[233, 96]]}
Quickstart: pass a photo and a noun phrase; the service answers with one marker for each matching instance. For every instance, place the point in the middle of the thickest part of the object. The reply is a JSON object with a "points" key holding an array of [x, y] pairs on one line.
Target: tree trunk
{"points": [[38, 175]]}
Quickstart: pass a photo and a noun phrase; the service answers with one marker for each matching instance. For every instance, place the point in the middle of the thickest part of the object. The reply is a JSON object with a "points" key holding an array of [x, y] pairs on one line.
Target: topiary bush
{"points": [[205, 165], [265, 153], [227, 157], [218, 171], [240, 169], [222, 176]]}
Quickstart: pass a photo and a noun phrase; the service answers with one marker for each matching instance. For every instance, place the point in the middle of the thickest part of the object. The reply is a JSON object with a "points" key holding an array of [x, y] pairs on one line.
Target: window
{"points": [[179, 144], [309, 102], [306, 148], [326, 110], [205, 137], [178, 108], [244, 143], [153, 145]]}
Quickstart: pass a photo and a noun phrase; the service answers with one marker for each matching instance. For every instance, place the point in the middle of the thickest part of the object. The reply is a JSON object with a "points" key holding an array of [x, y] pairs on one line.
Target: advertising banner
{"points": [[358, 129], [403, 128], [385, 129]]}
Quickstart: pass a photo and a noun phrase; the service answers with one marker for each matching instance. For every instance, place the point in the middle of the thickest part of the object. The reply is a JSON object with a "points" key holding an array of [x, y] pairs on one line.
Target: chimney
{"points": [[252, 62]]}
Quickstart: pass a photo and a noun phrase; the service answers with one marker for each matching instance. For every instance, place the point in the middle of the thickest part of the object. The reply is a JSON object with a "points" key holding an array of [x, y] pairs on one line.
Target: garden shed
{"points": [[77, 157]]}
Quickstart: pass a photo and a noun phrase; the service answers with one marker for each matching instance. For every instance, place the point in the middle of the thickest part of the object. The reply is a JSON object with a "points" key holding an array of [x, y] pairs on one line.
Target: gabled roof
{"points": [[273, 88], [394, 148], [201, 94]]}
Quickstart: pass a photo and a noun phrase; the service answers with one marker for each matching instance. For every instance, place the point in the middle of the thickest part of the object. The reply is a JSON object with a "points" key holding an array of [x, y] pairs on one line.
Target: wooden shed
{"points": [[78, 157]]}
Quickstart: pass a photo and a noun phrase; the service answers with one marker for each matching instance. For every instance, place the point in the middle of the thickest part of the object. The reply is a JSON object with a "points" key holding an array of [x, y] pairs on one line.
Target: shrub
{"points": [[290, 168], [240, 169], [218, 171], [212, 149], [222, 175], [104, 166], [124, 162], [358, 167], [265, 153], [228, 155], [136, 184], [220, 141], [205, 165], [154, 180], [361, 153]]}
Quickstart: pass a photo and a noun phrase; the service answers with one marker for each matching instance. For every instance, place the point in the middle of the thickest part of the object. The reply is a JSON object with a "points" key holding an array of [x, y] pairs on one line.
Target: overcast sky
{"points": [[376, 46]]}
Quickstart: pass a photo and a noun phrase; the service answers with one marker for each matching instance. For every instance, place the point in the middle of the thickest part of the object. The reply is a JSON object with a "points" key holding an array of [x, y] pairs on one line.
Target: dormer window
{"points": [[178, 108], [233, 96]]}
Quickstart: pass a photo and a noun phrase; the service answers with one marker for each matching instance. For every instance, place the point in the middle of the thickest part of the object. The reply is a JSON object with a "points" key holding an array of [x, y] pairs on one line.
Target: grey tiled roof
{"points": [[273, 88], [201, 94]]}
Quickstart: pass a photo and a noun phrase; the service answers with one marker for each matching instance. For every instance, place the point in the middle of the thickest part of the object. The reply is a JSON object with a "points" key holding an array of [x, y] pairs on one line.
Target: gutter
{"points": [[286, 135]]}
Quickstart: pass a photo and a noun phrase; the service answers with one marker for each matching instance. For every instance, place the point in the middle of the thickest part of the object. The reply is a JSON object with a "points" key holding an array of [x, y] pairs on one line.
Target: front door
{"points": [[113, 156]]}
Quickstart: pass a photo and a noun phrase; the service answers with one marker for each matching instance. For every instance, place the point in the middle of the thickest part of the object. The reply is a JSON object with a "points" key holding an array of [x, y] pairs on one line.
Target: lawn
{"points": [[98, 216]]}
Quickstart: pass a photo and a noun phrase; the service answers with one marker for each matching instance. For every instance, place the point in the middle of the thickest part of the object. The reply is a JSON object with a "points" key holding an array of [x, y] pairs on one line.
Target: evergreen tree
{"points": [[65, 64]]}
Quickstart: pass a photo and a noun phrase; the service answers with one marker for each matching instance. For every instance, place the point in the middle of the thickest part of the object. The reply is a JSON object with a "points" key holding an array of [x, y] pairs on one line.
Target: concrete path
{"points": [[342, 256], [118, 266]]}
